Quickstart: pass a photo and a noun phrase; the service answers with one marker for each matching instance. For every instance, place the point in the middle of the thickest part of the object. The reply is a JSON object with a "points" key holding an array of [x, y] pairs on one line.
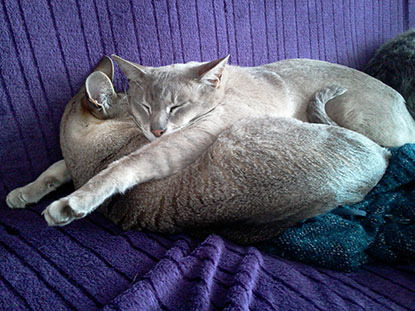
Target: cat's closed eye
{"points": [[146, 108], [173, 108]]}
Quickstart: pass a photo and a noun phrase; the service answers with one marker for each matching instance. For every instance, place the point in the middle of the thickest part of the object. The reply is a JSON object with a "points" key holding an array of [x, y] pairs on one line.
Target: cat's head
{"points": [[166, 99]]}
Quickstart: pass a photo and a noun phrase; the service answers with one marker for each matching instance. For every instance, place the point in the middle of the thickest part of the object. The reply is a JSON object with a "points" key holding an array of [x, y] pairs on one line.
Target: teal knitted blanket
{"points": [[380, 228]]}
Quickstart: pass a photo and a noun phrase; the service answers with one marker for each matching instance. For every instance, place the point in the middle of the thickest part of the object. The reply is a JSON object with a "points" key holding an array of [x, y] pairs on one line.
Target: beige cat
{"points": [[250, 176]]}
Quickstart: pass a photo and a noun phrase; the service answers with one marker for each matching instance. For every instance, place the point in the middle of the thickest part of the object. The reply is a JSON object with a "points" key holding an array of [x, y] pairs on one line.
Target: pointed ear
{"points": [[132, 71], [99, 90], [106, 66], [211, 73]]}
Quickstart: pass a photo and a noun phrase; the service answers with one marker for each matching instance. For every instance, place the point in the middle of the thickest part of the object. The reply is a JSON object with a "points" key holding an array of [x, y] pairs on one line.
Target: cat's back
{"points": [[310, 75]]}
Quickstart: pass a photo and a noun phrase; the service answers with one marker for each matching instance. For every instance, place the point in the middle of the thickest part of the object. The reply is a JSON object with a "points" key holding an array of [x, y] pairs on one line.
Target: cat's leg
{"points": [[161, 158], [382, 118], [56, 175]]}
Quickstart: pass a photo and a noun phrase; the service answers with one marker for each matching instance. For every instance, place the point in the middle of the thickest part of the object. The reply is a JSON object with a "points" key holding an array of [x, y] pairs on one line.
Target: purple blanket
{"points": [[48, 48]]}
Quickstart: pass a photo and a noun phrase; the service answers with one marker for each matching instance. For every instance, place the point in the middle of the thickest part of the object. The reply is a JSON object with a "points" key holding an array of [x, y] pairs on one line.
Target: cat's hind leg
{"points": [[55, 176], [380, 115]]}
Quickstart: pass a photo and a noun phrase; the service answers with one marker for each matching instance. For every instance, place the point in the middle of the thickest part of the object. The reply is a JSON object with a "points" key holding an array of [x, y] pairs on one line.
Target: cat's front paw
{"points": [[60, 213], [16, 199]]}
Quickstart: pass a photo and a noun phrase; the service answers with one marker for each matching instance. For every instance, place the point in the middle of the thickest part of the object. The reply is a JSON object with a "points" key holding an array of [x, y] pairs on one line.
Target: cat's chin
{"points": [[149, 136]]}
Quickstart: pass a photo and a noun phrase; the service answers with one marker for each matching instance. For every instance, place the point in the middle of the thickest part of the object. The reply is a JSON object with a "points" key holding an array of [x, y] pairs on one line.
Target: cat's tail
{"points": [[316, 109]]}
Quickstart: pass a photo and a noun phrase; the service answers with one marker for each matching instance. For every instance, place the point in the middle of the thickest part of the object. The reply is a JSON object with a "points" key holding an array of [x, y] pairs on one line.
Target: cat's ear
{"points": [[106, 66], [132, 71], [211, 73], [99, 90]]}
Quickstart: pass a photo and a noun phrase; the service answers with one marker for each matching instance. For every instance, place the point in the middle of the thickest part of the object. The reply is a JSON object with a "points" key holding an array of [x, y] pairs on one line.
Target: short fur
{"points": [[394, 64], [255, 177]]}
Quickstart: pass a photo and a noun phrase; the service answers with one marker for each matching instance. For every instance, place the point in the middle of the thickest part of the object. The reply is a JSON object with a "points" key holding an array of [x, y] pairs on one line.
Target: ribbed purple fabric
{"points": [[47, 48]]}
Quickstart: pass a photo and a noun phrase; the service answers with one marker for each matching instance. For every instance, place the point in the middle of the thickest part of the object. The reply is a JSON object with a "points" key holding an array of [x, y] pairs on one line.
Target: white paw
{"points": [[15, 199], [60, 213]]}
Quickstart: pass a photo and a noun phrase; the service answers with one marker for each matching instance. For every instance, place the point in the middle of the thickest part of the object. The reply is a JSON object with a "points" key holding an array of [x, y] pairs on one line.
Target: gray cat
{"points": [[247, 175]]}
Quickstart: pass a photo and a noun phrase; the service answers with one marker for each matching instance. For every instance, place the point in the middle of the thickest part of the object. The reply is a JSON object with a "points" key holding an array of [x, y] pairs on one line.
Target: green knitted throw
{"points": [[344, 242]]}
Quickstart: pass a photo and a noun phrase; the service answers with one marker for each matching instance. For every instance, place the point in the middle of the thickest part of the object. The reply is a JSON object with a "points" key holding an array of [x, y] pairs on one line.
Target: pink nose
{"points": [[157, 133]]}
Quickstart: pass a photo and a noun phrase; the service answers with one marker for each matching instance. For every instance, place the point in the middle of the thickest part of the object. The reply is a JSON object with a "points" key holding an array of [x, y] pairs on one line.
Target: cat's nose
{"points": [[157, 133]]}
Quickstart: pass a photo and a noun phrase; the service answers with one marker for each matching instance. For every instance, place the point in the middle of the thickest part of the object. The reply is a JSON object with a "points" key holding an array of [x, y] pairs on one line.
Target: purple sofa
{"points": [[49, 47]]}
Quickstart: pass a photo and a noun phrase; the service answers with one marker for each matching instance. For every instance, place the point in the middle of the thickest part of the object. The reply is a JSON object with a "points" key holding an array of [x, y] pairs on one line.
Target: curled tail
{"points": [[316, 109]]}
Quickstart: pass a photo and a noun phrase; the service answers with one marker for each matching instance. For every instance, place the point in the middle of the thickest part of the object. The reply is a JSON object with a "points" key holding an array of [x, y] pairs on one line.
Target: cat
{"points": [[394, 64], [257, 177], [182, 108]]}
